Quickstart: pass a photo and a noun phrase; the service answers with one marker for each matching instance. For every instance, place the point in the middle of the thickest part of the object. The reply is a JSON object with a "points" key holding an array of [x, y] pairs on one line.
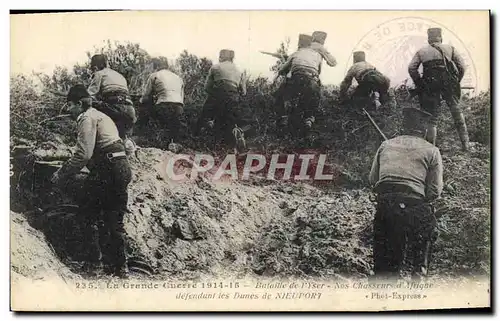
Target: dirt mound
{"points": [[32, 256], [197, 226], [201, 227], [325, 235], [463, 245], [331, 235]]}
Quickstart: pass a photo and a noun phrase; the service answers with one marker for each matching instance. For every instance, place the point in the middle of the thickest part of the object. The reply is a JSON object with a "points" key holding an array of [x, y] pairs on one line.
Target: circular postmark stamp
{"points": [[391, 45]]}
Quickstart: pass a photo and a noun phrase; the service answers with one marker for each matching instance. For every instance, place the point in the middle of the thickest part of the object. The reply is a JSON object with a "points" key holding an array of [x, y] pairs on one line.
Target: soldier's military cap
{"points": [[434, 33], [304, 40], [98, 60], [226, 54], [358, 56], [77, 92], [319, 36]]}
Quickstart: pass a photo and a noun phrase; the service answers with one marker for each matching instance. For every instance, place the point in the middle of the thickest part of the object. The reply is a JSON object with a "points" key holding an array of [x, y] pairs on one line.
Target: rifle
{"points": [[275, 55], [374, 124], [416, 91]]}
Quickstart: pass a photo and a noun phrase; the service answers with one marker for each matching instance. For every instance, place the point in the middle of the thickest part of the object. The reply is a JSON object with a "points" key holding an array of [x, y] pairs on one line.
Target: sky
{"points": [[39, 42]]}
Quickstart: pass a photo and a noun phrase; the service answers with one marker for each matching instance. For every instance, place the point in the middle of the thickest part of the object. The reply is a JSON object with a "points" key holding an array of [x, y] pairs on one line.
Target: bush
{"points": [[478, 117], [342, 131], [32, 110]]}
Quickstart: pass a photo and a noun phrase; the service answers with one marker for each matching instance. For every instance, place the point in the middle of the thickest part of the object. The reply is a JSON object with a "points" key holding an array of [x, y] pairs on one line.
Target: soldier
{"points": [[283, 93], [443, 69], [100, 148], [165, 90], [109, 91], [318, 45], [372, 84], [407, 174], [224, 85], [304, 65]]}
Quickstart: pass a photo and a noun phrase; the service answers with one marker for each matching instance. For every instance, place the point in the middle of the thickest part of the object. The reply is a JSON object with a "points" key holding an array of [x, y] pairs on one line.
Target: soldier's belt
{"points": [[366, 73], [306, 73], [111, 156]]}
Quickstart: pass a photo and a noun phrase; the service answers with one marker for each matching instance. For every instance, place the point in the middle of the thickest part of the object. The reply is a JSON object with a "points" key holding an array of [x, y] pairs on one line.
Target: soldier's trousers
{"points": [[104, 204], [430, 101], [281, 95], [306, 95], [123, 115], [222, 106], [170, 117], [368, 85], [403, 227]]}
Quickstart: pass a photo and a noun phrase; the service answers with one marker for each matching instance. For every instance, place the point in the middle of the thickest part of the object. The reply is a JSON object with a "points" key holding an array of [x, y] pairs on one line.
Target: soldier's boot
{"points": [[421, 262], [375, 99], [174, 147], [122, 271], [309, 122], [120, 264], [240, 142], [431, 134], [93, 269], [461, 127], [116, 246], [93, 266]]}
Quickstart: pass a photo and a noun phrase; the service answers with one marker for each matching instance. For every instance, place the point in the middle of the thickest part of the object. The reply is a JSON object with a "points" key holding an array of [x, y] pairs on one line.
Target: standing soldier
{"points": [[100, 148], [165, 91], [304, 65], [109, 91], [282, 95], [443, 69], [372, 84], [224, 84], [407, 174]]}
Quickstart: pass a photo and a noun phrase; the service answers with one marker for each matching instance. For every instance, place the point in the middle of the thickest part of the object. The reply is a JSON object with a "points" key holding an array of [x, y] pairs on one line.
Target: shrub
{"points": [[343, 131]]}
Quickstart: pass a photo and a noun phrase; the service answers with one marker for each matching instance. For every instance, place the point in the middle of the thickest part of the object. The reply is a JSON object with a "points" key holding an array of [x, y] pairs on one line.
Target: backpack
{"points": [[374, 76], [451, 70], [121, 112]]}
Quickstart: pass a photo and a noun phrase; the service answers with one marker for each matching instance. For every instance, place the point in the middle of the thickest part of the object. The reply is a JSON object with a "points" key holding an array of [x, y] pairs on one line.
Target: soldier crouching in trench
{"points": [[408, 174], [373, 86], [104, 198], [110, 94], [224, 85], [165, 91]]}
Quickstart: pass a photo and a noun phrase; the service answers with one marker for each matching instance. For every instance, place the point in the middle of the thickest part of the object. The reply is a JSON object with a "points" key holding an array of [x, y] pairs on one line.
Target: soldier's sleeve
{"points": [[87, 131], [434, 179], [95, 85], [374, 172], [459, 62], [413, 69], [210, 80], [346, 83], [285, 68], [148, 89], [329, 58]]}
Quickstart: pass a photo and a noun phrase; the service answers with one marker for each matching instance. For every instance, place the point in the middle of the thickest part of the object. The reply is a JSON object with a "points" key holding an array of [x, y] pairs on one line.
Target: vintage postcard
{"points": [[250, 161]]}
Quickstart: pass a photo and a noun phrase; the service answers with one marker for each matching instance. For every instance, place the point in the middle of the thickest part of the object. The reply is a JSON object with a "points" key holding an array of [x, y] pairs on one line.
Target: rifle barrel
{"points": [[275, 55], [374, 124]]}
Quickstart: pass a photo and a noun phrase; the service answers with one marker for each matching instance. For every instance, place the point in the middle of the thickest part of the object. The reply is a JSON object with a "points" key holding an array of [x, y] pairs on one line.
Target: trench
{"points": [[255, 227]]}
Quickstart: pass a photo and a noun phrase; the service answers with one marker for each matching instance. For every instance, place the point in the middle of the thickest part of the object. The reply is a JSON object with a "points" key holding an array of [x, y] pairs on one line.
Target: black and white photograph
{"points": [[250, 160]]}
